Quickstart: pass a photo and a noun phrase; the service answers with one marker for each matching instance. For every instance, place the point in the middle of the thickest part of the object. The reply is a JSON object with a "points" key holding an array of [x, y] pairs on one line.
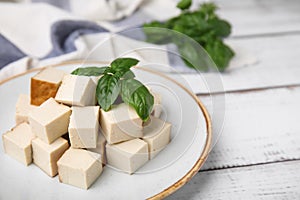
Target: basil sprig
{"points": [[203, 26], [117, 79]]}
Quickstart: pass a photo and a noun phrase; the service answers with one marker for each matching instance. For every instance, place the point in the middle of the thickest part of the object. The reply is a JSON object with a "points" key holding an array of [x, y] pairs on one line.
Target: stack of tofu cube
{"points": [[61, 129]]}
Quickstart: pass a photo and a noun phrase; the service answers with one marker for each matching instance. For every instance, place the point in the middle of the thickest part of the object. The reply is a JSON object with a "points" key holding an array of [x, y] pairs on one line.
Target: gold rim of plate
{"points": [[194, 170]]}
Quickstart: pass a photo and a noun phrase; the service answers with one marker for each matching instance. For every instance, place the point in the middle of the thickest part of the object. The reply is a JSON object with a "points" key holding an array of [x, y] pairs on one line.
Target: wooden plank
{"points": [[277, 65], [250, 17], [259, 127], [271, 181]]}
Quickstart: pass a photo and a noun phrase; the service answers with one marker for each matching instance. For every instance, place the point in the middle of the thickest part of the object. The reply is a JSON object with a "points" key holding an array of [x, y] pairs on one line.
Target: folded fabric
{"points": [[8, 52], [56, 36], [52, 35], [96, 9]]}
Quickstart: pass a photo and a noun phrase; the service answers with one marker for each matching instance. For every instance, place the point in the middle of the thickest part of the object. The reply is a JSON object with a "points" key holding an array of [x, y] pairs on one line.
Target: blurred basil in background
{"points": [[202, 25]]}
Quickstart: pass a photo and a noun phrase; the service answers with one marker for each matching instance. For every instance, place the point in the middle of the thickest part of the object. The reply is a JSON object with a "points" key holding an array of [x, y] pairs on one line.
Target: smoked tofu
{"points": [[127, 156], [79, 168], [77, 91], [121, 123], [17, 143], [100, 149], [23, 107], [84, 127], [50, 120], [45, 156], [157, 134], [45, 85]]}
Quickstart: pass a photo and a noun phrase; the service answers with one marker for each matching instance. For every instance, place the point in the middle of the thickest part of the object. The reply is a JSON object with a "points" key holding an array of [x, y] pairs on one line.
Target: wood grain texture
{"points": [[270, 181], [259, 127], [277, 65], [252, 159], [252, 17], [248, 17]]}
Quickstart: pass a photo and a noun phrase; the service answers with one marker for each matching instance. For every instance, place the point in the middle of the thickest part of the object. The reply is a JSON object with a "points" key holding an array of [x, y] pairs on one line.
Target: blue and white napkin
{"points": [[35, 33]]}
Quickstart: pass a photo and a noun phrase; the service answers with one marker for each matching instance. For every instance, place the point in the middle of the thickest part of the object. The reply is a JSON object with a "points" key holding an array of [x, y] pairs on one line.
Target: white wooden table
{"points": [[258, 153]]}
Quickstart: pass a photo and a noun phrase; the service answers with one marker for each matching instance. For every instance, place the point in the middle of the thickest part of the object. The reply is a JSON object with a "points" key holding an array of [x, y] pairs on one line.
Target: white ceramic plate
{"points": [[167, 172]]}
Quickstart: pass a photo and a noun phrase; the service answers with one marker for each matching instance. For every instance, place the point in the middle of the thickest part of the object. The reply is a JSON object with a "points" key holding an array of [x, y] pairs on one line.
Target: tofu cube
{"points": [[17, 143], [77, 91], [157, 134], [50, 120], [45, 85], [100, 148], [121, 123], [127, 156], [79, 168], [84, 127], [157, 107], [45, 156], [95, 79], [23, 108]]}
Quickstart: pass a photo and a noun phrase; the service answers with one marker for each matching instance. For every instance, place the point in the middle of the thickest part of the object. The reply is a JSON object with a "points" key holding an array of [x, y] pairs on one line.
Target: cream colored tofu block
{"points": [[127, 156], [23, 107], [120, 123], [157, 107], [95, 79], [45, 85], [79, 168], [157, 134], [100, 149], [17, 143], [77, 91], [50, 120], [45, 156], [84, 127]]}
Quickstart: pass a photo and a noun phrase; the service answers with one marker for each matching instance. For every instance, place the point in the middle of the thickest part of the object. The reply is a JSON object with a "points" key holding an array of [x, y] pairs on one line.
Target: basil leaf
{"points": [[137, 96], [208, 10], [128, 75], [110, 71], [192, 58], [121, 74], [220, 27], [184, 4], [122, 65], [157, 35], [220, 53], [89, 71], [107, 91]]}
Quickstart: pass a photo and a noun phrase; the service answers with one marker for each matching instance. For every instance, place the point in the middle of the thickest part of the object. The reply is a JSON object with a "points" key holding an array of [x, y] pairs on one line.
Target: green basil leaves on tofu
{"points": [[107, 91], [135, 94], [89, 71], [117, 79], [122, 65]]}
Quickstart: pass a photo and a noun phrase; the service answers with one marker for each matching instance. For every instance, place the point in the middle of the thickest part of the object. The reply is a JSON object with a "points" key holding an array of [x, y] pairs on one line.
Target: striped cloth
{"points": [[41, 32], [35, 33]]}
